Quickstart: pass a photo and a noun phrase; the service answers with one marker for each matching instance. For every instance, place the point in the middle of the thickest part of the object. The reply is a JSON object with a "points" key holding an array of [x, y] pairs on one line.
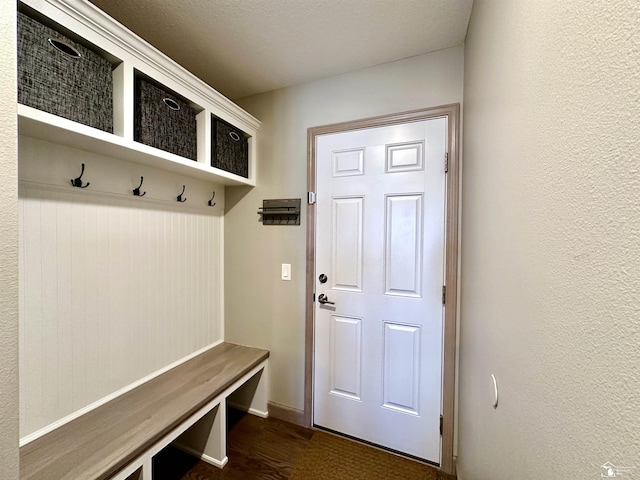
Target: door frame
{"points": [[452, 113]]}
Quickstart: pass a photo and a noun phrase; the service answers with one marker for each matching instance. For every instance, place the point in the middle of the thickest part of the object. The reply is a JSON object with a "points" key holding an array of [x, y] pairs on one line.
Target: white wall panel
{"points": [[111, 291]]}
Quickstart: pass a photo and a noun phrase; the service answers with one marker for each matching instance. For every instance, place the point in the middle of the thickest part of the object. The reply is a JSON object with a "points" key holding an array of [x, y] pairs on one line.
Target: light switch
{"points": [[286, 271]]}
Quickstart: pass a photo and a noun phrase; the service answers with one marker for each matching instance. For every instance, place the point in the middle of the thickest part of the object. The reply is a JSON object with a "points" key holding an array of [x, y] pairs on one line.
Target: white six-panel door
{"points": [[380, 245]]}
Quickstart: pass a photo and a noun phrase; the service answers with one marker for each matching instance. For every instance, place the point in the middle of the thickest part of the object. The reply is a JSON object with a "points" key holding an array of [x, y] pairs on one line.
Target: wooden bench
{"points": [[119, 439]]}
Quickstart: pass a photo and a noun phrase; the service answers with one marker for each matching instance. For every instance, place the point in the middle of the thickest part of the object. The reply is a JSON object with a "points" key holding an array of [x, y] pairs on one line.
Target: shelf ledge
{"points": [[45, 126]]}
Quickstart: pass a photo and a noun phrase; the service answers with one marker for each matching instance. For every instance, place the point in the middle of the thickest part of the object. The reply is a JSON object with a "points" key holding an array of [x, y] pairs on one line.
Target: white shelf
{"points": [[45, 126], [134, 54]]}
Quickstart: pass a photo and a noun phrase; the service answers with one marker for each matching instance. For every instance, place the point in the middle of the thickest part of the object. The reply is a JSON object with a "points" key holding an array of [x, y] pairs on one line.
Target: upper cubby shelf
{"points": [[45, 126], [133, 58]]}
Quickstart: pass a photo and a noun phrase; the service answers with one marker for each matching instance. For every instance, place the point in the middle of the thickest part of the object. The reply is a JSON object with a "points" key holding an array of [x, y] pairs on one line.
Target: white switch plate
{"points": [[286, 271]]}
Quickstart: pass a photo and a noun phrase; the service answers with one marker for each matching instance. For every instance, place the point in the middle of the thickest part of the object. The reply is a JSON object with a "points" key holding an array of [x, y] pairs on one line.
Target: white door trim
{"points": [[452, 113]]}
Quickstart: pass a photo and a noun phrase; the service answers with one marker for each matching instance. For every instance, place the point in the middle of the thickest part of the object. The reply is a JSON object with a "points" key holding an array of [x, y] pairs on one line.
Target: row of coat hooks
{"points": [[77, 182]]}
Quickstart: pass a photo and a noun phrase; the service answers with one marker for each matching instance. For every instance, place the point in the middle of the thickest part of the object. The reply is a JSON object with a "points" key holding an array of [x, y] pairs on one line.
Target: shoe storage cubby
{"points": [[88, 82]]}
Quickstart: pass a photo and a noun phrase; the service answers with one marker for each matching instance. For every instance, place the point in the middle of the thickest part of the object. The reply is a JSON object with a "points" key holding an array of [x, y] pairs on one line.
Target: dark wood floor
{"points": [[257, 449]]}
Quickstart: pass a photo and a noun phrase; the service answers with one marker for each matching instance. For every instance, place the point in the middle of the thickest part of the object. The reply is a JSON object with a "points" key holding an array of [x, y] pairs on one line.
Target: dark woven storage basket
{"points": [[159, 125], [79, 89], [229, 148]]}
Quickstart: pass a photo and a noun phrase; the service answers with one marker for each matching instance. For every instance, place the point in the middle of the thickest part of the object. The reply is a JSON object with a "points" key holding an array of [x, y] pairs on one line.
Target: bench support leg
{"points": [[207, 438], [253, 396], [147, 469]]}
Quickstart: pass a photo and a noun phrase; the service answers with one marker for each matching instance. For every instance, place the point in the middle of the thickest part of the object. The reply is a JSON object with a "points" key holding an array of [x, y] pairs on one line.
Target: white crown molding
{"points": [[103, 27]]}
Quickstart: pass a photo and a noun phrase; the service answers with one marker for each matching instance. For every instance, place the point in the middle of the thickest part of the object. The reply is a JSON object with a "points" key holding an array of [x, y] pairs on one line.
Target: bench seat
{"points": [[100, 443]]}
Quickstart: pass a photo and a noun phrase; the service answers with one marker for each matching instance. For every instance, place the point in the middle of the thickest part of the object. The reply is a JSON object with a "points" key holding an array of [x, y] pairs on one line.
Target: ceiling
{"points": [[244, 47]]}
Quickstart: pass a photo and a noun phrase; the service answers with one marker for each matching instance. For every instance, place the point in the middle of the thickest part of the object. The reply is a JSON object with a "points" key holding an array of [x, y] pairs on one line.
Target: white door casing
{"points": [[380, 241]]}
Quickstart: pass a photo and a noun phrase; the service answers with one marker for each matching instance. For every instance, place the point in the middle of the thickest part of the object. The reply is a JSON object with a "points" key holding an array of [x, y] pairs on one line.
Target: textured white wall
{"points": [[261, 309], [550, 240], [8, 246]]}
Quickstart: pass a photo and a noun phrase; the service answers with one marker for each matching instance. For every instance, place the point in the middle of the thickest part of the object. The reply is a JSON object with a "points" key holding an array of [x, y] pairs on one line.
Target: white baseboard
{"points": [[205, 458], [252, 411]]}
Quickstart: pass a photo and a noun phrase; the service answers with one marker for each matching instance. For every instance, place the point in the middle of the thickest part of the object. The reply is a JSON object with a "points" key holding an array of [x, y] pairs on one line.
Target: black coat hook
{"points": [[211, 202], [136, 191], [179, 197], [77, 182]]}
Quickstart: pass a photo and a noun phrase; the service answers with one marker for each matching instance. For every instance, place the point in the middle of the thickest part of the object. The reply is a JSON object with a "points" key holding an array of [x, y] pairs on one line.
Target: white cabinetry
{"points": [[134, 54]]}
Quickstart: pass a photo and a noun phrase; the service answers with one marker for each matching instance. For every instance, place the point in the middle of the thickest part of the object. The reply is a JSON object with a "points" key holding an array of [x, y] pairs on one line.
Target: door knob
{"points": [[322, 298]]}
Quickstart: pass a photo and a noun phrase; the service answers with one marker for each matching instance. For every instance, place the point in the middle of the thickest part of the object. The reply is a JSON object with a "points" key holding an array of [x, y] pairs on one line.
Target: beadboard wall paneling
{"points": [[112, 288]]}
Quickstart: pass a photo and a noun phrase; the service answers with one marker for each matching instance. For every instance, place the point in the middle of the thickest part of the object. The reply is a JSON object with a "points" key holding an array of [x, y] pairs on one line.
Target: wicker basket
{"points": [[163, 120], [62, 77], [229, 148]]}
